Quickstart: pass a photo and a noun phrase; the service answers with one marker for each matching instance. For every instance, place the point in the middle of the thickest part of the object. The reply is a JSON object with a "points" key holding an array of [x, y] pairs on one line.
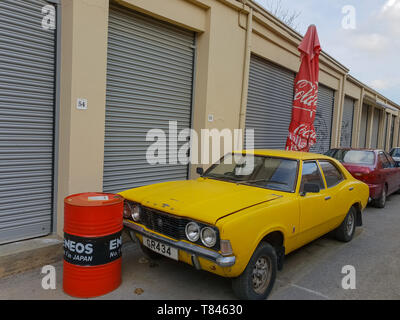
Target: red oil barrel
{"points": [[92, 243]]}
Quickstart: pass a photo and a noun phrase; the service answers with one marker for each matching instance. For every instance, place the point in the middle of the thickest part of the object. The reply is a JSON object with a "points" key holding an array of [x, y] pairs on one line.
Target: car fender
{"points": [[245, 231]]}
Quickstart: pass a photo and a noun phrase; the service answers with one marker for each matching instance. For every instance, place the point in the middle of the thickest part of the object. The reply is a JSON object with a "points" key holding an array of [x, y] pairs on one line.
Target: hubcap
{"points": [[350, 224], [261, 274]]}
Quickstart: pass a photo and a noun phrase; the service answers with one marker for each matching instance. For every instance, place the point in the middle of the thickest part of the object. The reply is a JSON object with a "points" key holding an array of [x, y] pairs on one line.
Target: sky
{"points": [[363, 35]]}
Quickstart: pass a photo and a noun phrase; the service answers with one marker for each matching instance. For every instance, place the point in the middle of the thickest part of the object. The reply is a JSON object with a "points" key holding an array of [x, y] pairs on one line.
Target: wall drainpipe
{"points": [[246, 69]]}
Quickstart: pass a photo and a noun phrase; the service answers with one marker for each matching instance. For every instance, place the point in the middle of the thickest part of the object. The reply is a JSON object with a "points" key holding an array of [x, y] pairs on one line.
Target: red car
{"points": [[374, 167]]}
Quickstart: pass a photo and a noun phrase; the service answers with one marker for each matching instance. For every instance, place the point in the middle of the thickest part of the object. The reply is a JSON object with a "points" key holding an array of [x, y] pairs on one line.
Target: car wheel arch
{"points": [[357, 206], [276, 238]]}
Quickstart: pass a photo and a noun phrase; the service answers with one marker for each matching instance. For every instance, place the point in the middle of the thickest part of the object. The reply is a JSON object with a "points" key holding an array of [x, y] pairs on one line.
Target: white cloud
{"points": [[380, 84], [392, 6], [384, 84], [390, 13], [373, 42]]}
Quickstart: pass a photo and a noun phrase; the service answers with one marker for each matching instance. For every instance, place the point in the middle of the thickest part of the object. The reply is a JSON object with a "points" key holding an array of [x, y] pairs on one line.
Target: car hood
{"points": [[205, 200]]}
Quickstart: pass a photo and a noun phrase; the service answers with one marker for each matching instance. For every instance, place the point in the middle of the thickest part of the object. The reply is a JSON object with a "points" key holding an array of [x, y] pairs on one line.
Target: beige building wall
{"points": [[355, 92], [83, 75], [226, 33]]}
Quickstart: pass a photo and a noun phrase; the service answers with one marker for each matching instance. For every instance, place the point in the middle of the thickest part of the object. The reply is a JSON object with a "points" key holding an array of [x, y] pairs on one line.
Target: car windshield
{"points": [[395, 153], [259, 171], [361, 157]]}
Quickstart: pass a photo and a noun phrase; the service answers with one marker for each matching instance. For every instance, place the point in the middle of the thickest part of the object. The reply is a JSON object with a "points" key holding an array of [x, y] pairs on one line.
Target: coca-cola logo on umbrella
{"points": [[306, 97]]}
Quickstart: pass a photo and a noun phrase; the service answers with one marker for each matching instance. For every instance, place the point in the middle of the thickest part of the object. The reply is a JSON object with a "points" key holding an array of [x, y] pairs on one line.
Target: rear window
{"points": [[395, 152], [332, 175], [355, 156]]}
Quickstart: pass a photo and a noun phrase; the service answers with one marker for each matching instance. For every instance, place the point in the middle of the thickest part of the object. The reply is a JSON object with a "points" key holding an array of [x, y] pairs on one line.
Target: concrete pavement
{"points": [[312, 272]]}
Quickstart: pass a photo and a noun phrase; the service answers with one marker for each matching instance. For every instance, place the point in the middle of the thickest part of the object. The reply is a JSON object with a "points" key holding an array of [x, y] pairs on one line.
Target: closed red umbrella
{"points": [[301, 130]]}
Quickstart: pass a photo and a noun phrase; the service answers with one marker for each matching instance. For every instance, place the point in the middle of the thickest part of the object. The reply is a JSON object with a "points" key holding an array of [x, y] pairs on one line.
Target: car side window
{"points": [[383, 161], [333, 175], [392, 164], [311, 174]]}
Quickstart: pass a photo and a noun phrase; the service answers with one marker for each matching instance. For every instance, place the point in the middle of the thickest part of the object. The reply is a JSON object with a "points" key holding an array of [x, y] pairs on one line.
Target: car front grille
{"points": [[170, 225], [164, 223]]}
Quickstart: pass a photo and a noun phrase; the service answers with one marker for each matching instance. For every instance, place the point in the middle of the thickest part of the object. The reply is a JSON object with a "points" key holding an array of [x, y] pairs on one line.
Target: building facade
{"points": [[82, 82]]}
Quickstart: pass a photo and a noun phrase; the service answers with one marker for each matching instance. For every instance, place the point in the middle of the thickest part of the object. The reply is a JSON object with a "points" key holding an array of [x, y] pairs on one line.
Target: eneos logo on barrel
{"points": [[92, 251]]}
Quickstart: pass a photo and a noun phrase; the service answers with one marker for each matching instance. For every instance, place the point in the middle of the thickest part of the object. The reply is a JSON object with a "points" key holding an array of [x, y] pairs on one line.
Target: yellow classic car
{"points": [[245, 213]]}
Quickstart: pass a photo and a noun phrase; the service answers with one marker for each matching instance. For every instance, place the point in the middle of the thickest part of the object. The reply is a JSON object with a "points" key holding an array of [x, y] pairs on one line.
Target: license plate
{"points": [[161, 248]]}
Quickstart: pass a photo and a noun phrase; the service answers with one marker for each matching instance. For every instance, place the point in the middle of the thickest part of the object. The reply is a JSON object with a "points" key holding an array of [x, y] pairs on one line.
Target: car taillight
{"points": [[367, 177]]}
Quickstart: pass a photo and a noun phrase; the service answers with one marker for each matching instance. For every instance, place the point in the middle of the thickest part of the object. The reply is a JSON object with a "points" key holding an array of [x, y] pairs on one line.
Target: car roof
{"points": [[359, 149], [286, 154]]}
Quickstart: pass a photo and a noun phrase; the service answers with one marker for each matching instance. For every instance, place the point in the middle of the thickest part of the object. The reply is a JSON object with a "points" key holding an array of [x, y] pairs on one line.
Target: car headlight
{"points": [[208, 237], [127, 209], [136, 211], [192, 231]]}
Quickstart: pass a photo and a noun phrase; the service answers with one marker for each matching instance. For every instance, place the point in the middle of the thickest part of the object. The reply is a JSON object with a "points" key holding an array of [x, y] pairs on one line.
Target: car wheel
{"points": [[345, 231], [257, 280], [381, 202]]}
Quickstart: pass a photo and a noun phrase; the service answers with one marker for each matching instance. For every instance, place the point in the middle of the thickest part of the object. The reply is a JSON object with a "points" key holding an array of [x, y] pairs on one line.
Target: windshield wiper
{"points": [[261, 180], [251, 181], [220, 178]]}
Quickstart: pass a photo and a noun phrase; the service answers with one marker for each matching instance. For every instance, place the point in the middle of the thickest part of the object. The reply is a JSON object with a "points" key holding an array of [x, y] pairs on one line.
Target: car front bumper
{"points": [[194, 250]]}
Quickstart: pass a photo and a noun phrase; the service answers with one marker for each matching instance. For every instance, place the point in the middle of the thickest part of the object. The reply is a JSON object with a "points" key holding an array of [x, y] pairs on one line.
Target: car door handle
{"points": [[328, 198], [351, 188]]}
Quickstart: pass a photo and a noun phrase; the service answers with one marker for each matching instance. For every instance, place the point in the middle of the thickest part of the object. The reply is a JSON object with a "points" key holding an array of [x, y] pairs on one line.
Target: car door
{"points": [[394, 173], [340, 196], [313, 206], [386, 172]]}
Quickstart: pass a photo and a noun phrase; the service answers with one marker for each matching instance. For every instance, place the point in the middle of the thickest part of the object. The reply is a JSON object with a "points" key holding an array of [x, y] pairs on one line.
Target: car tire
{"points": [[346, 230], [381, 201], [257, 280]]}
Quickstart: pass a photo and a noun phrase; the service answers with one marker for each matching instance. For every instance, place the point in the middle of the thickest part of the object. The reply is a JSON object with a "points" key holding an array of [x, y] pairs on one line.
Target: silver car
{"points": [[395, 154]]}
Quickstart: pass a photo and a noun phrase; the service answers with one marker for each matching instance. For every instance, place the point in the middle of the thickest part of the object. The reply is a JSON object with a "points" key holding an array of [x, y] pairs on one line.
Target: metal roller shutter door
{"points": [[392, 133], [27, 86], [375, 128], [269, 103], [364, 126], [149, 82], [323, 119], [347, 122], [386, 115]]}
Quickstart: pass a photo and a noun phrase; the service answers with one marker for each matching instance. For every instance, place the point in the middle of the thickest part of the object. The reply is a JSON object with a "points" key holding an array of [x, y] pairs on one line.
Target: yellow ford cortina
{"points": [[244, 214]]}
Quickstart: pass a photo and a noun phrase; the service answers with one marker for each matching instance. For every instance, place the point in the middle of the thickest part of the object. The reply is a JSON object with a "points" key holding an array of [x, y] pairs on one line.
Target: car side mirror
{"points": [[310, 188], [200, 171]]}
